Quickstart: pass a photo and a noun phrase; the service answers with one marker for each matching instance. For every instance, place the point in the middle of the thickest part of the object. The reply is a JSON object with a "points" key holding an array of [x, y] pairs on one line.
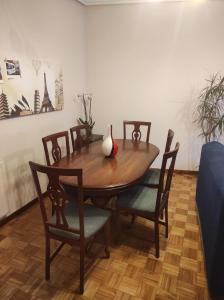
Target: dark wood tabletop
{"points": [[110, 176]]}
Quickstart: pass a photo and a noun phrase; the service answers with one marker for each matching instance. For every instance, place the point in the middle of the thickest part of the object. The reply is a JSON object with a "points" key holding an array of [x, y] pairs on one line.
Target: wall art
{"points": [[12, 68], [29, 88], [1, 75]]}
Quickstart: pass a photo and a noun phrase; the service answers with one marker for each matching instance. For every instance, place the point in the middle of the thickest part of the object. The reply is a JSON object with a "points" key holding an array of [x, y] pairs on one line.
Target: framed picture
{"points": [[39, 90], [12, 68]]}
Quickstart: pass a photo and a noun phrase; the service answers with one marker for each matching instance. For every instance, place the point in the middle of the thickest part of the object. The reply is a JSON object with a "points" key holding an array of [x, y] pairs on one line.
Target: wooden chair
{"points": [[152, 176], [80, 140], [149, 202], [72, 222], [56, 151], [136, 133]]}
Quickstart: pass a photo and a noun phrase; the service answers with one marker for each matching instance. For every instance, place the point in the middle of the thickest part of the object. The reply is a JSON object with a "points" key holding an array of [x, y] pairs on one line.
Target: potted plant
{"points": [[86, 100], [210, 109]]}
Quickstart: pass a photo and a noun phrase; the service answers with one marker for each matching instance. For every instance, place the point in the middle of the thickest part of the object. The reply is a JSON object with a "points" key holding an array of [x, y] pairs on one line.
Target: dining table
{"points": [[105, 177]]}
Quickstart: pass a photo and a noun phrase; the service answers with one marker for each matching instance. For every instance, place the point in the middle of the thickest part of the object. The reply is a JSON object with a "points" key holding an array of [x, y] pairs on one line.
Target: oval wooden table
{"points": [[105, 177]]}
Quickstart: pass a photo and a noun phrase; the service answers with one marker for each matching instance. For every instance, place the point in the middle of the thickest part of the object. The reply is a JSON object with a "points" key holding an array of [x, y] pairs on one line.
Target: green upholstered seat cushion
{"points": [[94, 219], [152, 177], [139, 198]]}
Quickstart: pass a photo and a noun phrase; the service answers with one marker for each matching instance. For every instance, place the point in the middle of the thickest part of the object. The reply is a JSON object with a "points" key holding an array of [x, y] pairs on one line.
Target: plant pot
{"points": [[89, 132]]}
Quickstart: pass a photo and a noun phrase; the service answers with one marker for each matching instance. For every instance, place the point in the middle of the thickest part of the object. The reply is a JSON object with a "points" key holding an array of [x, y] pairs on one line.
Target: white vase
{"points": [[109, 146]]}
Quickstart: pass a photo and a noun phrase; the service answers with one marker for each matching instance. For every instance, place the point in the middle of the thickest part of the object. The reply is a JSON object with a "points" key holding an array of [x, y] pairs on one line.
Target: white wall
{"points": [[149, 62], [52, 30], [145, 62]]}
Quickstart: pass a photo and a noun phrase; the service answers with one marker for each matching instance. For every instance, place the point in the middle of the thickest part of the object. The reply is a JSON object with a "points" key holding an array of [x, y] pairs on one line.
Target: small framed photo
{"points": [[12, 68]]}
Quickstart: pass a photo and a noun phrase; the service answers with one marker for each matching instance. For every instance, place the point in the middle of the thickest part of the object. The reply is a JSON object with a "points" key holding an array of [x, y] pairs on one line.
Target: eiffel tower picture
{"points": [[46, 103], [45, 94]]}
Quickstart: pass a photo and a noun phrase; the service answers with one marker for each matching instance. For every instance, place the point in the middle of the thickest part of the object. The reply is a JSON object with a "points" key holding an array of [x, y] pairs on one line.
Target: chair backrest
{"points": [[169, 140], [166, 175], [78, 139], [56, 152], [58, 197], [136, 133]]}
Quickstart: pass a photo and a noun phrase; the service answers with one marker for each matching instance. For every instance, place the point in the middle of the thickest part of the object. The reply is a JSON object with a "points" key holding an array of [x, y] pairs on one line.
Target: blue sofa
{"points": [[210, 203]]}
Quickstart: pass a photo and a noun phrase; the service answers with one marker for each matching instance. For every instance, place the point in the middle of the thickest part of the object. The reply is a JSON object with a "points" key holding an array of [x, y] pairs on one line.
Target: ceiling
{"points": [[110, 2]]}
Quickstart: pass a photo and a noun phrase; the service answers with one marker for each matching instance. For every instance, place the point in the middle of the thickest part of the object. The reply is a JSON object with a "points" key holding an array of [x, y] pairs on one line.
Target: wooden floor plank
{"points": [[132, 272]]}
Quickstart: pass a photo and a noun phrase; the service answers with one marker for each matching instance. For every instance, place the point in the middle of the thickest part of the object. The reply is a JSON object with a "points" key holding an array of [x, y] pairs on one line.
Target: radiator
{"points": [[3, 198]]}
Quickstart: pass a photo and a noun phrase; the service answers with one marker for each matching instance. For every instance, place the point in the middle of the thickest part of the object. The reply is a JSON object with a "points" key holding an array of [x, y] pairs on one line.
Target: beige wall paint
{"points": [[149, 62], [145, 62], [52, 30]]}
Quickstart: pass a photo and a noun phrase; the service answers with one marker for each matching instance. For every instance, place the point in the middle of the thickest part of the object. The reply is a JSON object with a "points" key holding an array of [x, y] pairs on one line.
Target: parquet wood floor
{"points": [[132, 272]]}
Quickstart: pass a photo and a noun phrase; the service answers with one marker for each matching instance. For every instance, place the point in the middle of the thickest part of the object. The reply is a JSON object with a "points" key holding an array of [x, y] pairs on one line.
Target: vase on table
{"points": [[109, 145], [89, 132]]}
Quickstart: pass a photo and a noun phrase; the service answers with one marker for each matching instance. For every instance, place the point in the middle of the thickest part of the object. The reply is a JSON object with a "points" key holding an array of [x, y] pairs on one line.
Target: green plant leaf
{"points": [[210, 109]]}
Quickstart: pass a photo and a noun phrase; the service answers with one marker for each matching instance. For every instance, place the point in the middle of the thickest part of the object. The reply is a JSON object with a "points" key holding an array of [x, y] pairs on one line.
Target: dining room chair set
{"points": [[79, 138], [75, 222]]}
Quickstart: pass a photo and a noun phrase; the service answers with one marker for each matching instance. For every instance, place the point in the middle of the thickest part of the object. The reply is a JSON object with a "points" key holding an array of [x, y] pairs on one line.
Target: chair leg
{"points": [[161, 216], [52, 210], [156, 225], [47, 258], [133, 218], [107, 238], [166, 220], [81, 270], [118, 223]]}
